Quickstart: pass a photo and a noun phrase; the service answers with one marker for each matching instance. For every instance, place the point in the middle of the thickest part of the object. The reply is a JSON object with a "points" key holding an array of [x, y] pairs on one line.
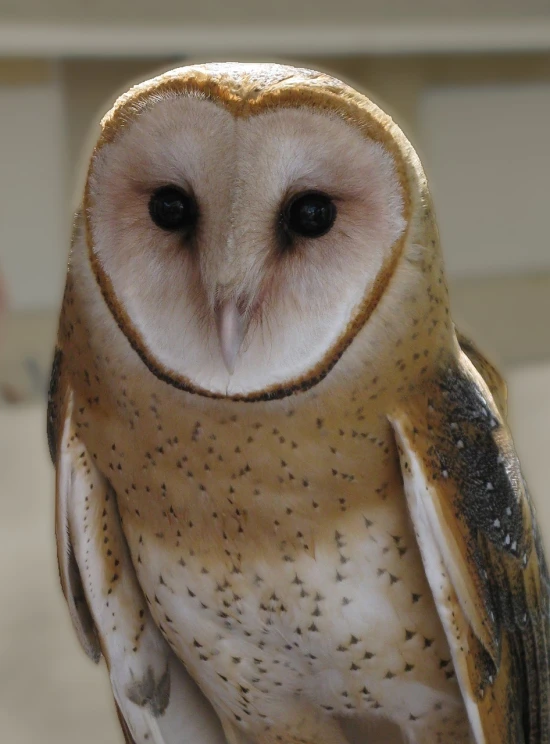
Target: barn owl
{"points": [[288, 502]]}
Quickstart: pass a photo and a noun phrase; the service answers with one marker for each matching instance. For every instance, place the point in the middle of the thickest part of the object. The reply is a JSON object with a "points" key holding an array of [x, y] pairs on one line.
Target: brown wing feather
{"points": [[493, 379], [463, 479], [69, 573]]}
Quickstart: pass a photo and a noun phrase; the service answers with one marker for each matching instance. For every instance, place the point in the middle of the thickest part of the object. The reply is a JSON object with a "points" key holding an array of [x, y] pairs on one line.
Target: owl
{"points": [[288, 502]]}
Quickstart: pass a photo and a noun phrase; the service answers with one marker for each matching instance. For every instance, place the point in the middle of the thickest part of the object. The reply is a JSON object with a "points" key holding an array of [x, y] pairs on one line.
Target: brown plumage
{"points": [[336, 532]]}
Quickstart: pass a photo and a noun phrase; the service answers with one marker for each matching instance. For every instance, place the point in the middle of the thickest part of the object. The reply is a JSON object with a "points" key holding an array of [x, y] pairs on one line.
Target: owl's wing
{"points": [[482, 553], [157, 701], [491, 375]]}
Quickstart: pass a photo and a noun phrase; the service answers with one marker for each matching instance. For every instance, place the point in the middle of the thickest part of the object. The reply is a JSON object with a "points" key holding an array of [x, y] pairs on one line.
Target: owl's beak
{"points": [[231, 329]]}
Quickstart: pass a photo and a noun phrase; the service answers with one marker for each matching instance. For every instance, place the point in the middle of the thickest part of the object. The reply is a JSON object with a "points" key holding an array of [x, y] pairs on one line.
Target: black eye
{"points": [[172, 209], [311, 214]]}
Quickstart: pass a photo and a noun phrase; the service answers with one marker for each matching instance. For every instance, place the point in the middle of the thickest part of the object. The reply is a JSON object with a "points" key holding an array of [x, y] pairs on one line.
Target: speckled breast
{"points": [[277, 557]]}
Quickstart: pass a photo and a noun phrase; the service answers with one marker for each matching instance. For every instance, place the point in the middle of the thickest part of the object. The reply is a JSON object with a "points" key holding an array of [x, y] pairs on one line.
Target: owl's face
{"points": [[239, 250]]}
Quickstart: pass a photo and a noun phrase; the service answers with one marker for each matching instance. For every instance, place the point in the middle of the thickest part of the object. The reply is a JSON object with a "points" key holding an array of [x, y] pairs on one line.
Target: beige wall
{"points": [[243, 11], [34, 217]]}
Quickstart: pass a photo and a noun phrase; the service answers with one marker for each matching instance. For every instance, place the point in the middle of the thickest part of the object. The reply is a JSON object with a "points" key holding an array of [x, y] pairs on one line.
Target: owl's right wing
{"points": [[156, 699]]}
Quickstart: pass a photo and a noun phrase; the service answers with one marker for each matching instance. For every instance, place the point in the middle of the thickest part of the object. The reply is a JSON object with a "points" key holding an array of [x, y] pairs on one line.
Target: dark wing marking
{"points": [[54, 404]]}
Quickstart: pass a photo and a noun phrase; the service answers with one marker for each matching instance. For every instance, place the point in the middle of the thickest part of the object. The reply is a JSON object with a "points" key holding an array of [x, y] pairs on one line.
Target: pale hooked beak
{"points": [[231, 329]]}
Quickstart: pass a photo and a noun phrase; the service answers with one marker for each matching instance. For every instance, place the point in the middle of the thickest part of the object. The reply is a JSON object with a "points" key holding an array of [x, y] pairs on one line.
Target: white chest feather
{"points": [[350, 629]]}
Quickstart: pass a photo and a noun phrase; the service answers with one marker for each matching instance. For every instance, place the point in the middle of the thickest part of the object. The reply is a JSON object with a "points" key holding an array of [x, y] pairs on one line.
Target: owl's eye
{"points": [[311, 214], [172, 209]]}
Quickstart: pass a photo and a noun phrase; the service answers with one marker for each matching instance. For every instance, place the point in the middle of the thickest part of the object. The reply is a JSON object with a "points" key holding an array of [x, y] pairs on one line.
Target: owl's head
{"points": [[244, 222]]}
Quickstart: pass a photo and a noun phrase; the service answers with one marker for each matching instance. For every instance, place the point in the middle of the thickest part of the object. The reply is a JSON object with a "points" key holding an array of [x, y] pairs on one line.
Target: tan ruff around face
{"points": [[240, 305]]}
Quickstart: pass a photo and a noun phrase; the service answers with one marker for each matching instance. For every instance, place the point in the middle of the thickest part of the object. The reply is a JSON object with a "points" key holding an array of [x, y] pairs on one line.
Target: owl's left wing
{"points": [[482, 554], [492, 377], [156, 699]]}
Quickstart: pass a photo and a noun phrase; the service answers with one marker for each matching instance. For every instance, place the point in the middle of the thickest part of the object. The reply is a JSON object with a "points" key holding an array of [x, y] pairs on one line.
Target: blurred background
{"points": [[469, 82]]}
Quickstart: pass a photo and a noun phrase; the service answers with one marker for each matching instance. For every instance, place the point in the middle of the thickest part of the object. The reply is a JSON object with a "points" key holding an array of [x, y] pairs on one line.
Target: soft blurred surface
{"points": [[250, 11], [469, 83]]}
